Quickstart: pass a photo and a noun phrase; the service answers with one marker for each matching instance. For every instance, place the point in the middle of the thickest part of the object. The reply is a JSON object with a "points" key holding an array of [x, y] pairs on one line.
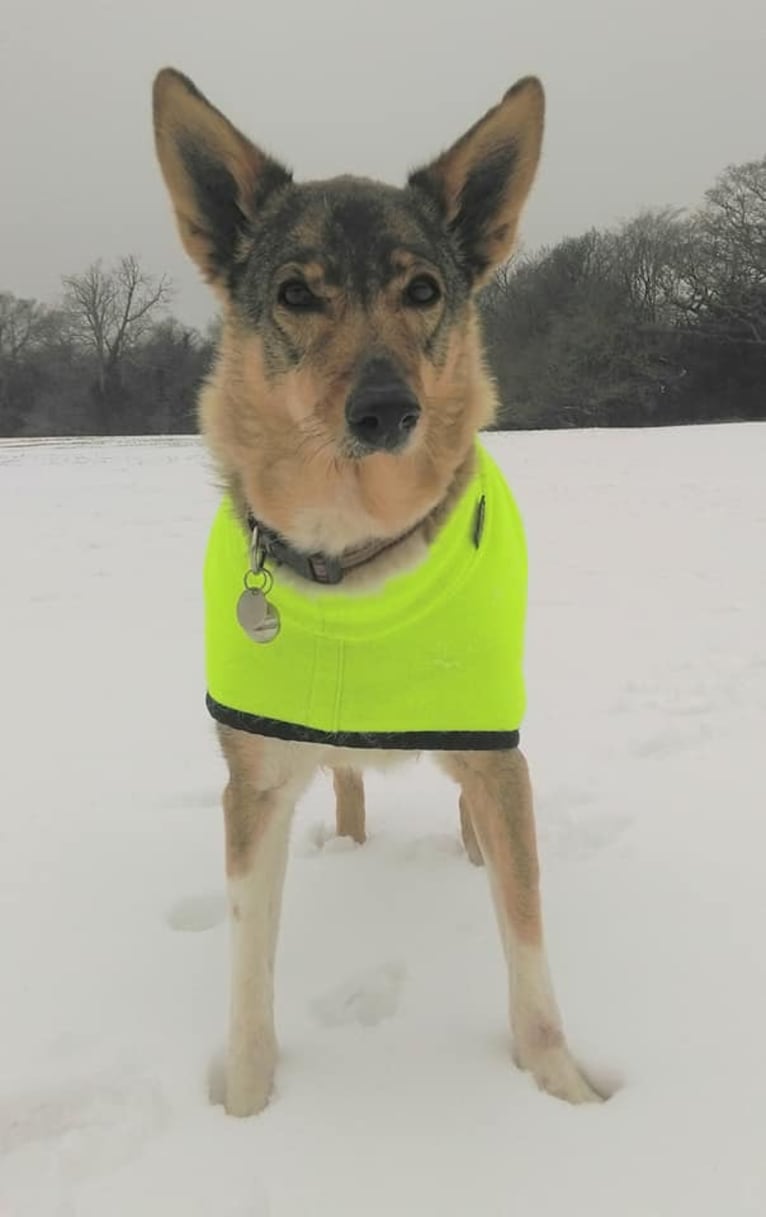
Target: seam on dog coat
{"points": [[431, 660]]}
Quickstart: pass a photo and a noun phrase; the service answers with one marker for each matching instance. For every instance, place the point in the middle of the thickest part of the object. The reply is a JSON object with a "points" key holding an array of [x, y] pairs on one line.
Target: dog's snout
{"points": [[382, 411], [382, 420]]}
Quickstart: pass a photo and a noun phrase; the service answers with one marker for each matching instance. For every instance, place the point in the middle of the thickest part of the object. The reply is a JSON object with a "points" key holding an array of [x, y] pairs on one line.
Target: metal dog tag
{"points": [[251, 610], [270, 626], [258, 618]]}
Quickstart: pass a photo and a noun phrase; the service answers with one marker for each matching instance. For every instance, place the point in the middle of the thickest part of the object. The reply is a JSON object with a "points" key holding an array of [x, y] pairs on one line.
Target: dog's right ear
{"points": [[216, 178]]}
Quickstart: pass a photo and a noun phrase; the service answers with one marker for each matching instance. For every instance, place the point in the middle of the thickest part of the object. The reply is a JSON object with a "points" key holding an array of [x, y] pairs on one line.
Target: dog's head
{"points": [[350, 382]]}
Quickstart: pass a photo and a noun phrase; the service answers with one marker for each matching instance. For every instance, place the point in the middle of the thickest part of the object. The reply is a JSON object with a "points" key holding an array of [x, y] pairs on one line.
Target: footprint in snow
{"points": [[195, 914], [569, 826], [194, 801], [82, 1129], [671, 740], [674, 699], [577, 837], [320, 838], [366, 999]]}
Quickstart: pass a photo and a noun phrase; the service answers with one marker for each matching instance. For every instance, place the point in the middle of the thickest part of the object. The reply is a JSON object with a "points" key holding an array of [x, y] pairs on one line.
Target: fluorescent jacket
{"points": [[432, 659]]}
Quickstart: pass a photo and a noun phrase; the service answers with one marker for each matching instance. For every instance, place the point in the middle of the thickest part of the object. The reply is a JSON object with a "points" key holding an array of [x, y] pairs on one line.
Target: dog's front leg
{"points": [[349, 804], [468, 833], [265, 779], [497, 794]]}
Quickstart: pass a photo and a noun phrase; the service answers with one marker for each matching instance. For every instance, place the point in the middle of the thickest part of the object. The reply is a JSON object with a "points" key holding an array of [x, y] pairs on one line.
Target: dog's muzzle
{"points": [[382, 411]]}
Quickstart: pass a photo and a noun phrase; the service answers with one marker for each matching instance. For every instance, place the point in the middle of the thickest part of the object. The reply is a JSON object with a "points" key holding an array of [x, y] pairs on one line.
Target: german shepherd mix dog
{"points": [[365, 578]]}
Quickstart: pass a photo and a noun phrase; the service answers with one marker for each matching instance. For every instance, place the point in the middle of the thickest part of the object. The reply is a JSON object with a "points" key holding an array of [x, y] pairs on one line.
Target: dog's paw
{"points": [[247, 1096], [563, 1078], [242, 1102], [557, 1073], [249, 1083]]}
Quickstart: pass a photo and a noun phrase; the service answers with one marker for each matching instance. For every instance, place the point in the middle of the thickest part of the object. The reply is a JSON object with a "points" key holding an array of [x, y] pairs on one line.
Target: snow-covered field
{"points": [[396, 1096]]}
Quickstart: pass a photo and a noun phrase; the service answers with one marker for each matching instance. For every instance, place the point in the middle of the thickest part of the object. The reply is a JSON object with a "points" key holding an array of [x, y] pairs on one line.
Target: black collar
{"points": [[318, 567]]}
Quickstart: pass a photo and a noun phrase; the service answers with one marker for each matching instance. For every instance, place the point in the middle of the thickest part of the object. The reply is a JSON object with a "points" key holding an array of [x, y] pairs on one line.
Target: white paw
{"points": [[250, 1081], [557, 1073], [248, 1096]]}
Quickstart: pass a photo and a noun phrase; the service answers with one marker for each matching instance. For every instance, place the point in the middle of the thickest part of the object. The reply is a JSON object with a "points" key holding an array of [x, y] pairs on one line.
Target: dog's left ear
{"points": [[480, 184]]}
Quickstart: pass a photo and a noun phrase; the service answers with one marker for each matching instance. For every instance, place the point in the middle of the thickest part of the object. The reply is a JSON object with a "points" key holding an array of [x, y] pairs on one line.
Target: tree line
{"points": [[108, 359], [659, 320]]}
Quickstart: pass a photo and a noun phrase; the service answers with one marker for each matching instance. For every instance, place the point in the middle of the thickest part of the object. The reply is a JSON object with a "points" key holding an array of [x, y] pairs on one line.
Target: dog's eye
{"points": [[422, 291], [296, 294]]}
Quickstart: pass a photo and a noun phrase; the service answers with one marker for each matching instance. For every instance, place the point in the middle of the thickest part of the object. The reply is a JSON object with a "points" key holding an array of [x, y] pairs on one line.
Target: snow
{"points": [[396, 1095]]}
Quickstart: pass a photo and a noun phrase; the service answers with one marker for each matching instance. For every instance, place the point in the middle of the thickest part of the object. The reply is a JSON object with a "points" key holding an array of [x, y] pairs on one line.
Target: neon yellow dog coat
{"points": [[431, 660]]}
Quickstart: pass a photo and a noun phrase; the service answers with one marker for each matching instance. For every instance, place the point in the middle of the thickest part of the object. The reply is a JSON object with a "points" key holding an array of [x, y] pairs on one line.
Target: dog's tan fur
{"points": [[273, 414], [282, 458], [349, 805]]}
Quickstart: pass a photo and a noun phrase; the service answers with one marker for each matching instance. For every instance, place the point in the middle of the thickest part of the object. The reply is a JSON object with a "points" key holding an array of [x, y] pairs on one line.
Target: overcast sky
{"points": [[647, 102]]}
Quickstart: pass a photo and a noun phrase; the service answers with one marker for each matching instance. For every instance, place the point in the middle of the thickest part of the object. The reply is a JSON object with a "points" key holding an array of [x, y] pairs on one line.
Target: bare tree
{"points": [[725, 266], [111, 310], [21, 324], [25, 327], [647, 257]]}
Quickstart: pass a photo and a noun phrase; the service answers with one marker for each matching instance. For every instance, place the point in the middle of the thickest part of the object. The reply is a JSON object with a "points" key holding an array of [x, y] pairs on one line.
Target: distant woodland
{"points": [[657, 321]]}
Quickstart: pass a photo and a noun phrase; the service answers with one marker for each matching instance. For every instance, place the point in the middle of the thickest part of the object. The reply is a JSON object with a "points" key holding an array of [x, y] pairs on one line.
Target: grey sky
{"points": [[647, 101]]}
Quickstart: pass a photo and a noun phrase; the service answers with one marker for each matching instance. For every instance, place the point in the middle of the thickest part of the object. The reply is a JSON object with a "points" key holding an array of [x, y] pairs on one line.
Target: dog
{"points": [[365, 576]]}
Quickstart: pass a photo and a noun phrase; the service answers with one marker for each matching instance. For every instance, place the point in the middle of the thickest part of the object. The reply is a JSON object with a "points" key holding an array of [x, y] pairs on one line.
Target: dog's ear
{"points": [[480, 184], [216, 178]]}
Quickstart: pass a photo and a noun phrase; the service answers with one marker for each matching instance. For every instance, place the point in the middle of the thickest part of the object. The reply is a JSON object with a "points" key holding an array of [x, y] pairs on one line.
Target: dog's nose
{"points": [[382, 411]]}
